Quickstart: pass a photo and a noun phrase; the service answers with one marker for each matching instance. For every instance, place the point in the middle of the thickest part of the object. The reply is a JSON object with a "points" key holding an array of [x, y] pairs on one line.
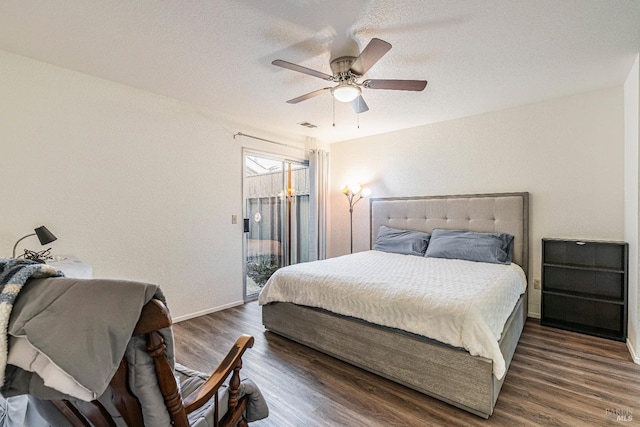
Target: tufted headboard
{"points": [[500, 212]]}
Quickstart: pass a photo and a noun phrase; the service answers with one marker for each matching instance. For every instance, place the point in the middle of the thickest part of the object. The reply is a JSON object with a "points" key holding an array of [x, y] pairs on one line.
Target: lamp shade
{"points": [[44, 235], [354, 187], [345, 92]]}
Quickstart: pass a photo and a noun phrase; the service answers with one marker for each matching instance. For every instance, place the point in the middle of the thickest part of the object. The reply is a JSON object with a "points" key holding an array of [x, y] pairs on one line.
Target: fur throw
{"points": [[14, 273]]}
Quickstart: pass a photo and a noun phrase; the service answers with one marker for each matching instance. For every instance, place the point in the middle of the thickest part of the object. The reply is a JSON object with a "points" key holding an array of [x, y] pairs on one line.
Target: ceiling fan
{"points": [[347, 70]]}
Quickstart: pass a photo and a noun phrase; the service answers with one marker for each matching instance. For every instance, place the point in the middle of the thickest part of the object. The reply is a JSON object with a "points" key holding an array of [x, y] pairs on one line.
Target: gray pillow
{"points": [[406, 242], [496, 248]]}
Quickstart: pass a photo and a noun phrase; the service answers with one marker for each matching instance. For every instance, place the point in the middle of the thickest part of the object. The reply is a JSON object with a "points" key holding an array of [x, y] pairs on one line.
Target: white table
{"points": [[72, 267]]}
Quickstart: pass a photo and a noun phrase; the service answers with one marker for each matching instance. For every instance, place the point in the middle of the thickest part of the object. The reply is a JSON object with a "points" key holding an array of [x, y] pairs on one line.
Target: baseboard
{"points": [[533, 315], [635, 357], [207, 311]]}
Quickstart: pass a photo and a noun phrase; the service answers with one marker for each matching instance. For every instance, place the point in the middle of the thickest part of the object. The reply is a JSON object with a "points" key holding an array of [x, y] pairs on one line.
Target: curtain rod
{"points": [[268, 140]]}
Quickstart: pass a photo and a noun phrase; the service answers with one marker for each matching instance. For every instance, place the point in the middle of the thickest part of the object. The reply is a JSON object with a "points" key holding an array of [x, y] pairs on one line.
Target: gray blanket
{"points": [[14, 273], [84, 326]]}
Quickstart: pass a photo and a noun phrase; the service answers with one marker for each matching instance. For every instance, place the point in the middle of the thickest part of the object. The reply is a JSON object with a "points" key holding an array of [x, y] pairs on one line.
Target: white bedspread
{"points": [[461, 303]]}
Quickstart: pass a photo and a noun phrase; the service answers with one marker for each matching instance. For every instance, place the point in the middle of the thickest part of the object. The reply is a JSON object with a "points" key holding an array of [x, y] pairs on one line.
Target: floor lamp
{"points": [[354, 194]]}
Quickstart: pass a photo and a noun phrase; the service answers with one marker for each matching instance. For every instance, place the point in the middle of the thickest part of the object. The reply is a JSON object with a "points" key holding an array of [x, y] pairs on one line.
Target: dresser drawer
{"points": [[596, 283], [585, 253], [584, 286]]}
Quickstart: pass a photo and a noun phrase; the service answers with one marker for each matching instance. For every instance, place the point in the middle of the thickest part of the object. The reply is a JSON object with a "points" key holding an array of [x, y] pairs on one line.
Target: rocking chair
{"points": [[153, 318]]}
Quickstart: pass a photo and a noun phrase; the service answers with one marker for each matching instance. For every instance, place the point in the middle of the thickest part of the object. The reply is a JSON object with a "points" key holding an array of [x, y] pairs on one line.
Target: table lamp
{"points": [[44, 235]]}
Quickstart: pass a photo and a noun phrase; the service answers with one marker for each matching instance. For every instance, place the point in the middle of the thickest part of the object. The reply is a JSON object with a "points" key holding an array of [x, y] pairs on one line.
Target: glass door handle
{"points": [[246, 225]]}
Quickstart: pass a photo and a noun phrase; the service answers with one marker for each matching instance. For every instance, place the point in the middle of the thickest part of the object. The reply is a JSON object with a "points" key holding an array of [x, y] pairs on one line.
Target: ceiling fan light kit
{"points": [[346, 92], [347, 70]]}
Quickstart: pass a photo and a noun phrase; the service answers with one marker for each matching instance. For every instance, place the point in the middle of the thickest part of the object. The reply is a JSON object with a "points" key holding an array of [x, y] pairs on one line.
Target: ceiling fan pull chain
{"points": [[334, 112], [358, 113]]}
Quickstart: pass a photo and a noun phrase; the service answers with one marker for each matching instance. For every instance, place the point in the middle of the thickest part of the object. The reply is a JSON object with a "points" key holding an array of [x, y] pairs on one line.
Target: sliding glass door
{"points": [[276, 196]]}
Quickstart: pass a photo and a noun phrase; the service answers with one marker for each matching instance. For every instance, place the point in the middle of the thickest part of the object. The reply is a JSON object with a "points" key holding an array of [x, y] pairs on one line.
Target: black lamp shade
{"points": [[44, 235]]}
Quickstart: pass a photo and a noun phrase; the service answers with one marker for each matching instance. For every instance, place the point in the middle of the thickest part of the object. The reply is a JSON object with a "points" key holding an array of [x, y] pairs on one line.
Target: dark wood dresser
{"points": [[584, 286]]}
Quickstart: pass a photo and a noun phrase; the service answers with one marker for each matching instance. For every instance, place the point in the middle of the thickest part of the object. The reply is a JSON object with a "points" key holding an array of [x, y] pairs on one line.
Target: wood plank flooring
{"points": [[557, 378]]}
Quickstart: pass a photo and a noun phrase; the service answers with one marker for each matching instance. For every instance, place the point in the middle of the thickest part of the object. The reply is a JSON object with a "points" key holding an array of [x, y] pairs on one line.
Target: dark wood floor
{"points": [[557, 378]]}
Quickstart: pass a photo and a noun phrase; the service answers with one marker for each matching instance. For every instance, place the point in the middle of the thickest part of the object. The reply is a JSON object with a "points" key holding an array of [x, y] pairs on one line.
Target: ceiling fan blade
{"points": [[359, 106], [308, 95], [415, 85], [369, 56], [301, 69]]}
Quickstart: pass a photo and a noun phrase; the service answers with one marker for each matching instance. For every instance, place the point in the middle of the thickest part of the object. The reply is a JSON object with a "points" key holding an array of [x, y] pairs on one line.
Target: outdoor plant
{"points": [[261, 268]]}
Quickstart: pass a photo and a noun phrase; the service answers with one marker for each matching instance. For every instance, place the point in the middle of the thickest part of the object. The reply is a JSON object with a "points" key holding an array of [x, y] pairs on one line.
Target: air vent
{"points": [[308, 125]]}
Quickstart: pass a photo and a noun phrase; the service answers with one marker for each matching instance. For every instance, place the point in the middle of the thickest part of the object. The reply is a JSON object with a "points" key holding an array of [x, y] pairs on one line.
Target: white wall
{"points": [[632, 194], [137, 185], [143, 187], [568, 153]]}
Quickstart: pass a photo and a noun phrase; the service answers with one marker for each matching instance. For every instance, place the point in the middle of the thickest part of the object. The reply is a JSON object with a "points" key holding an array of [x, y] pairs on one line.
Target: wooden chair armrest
{"points": [[154, 316], [217, 378]]}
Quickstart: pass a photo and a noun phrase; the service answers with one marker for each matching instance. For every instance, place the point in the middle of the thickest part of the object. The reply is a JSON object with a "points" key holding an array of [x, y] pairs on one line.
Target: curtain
{"points": [[319, 186]]}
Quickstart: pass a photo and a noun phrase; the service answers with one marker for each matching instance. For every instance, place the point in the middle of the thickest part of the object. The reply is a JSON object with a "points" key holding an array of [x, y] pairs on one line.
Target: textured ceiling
{"points": [[478, 56]]}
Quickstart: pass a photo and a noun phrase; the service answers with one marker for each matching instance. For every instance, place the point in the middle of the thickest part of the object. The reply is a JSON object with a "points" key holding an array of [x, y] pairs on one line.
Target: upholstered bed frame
{"points": [[439, 370]]}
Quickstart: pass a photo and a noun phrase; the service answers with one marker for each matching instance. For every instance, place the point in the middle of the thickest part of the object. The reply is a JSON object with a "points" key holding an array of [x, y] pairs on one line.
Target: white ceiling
{"points": [[478, 56]]}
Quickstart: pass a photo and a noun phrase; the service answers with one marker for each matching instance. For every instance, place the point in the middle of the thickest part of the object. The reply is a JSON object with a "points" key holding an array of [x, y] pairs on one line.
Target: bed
{"points": [[444, 371]]}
